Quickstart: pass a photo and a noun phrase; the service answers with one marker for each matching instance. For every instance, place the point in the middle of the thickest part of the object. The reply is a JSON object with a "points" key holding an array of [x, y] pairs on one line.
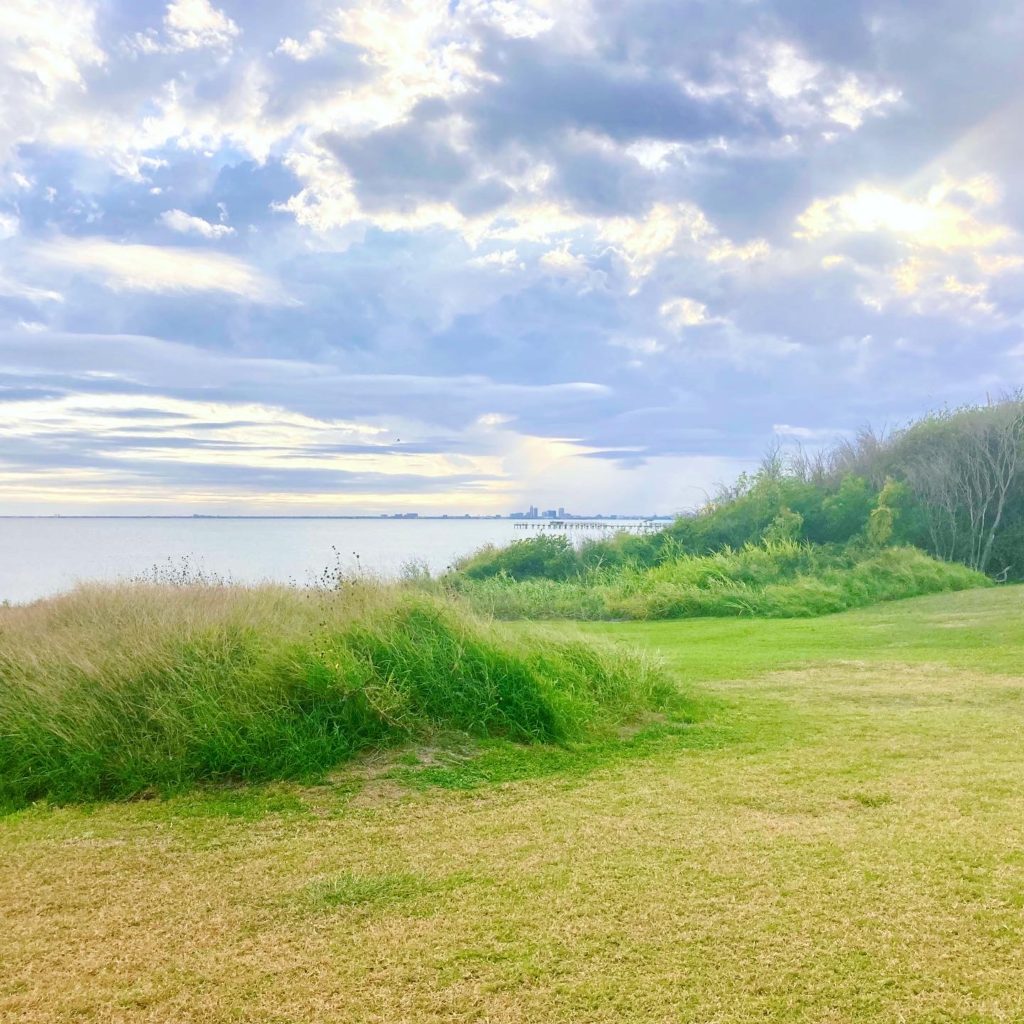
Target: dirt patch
{"points": [[377, 792], [638, 725]]}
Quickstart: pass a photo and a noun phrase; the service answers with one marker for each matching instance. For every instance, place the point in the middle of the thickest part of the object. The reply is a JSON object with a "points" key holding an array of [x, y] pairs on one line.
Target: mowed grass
{"points": [[850, 848]]}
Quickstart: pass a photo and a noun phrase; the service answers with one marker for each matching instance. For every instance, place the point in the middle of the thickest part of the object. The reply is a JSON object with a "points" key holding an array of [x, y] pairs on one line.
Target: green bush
{"points": [[545, 557]]}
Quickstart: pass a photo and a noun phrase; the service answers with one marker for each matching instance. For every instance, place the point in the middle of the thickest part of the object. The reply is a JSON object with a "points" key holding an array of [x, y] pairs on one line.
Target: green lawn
{"points": [[972, 630], [838, 836]]}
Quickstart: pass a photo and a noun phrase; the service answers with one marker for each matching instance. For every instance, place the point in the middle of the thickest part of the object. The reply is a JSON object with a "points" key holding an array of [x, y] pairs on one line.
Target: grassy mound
{"points": [[112, 691], [781, 579]]}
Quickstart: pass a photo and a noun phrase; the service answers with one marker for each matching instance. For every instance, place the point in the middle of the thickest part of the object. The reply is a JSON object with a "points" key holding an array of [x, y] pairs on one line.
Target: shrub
{"points": [[549, 557]]}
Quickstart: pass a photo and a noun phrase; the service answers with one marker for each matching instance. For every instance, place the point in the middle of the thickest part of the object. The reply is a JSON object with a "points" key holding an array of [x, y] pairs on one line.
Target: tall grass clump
{"points": [[114, 691]]}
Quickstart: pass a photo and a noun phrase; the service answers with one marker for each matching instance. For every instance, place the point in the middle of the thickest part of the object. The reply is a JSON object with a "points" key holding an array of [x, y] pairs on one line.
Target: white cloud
{"points": [[315, 44], [48, 41], [750, 351], [416, 49], [185, 223], [228, 434], [850, 102], [504, 260], [642, 241], [564, 261], [801, 92], [196, 24], [188, 25], [653, 153], [45, 45], [169, 435], [161, 269], [493, 419], [683, 312], [946, 217], [19, 290], [947, 242], [514, 18], [329, 205]]}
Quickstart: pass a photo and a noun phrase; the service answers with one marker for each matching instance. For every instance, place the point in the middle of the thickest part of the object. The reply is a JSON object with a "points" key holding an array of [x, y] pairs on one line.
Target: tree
{"points": [[963, 466]]}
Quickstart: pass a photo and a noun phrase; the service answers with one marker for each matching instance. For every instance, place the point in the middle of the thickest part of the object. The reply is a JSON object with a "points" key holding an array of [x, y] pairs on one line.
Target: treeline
{"points": [[950, 484]]}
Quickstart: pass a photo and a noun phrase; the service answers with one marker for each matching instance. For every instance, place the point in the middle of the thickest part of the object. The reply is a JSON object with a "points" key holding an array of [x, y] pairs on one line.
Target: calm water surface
{"points": [[39, 557]]}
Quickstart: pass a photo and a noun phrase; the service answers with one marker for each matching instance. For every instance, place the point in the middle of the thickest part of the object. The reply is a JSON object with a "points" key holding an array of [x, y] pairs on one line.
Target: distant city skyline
{"points": [[445, 257]]}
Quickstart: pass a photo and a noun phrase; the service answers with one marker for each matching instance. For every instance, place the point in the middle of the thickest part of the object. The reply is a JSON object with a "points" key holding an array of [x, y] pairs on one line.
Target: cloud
{"points": [[110, 422], [946, 217], [152, 268], [14, 288], [316, 43], [185, 223], [683, 312], [946, 246], [189, 25], [565, 262], [813, 435], [192, 24], [46, 47], [504, 260], [402, 163], [638, 233], [131, 362], [802, 92]]}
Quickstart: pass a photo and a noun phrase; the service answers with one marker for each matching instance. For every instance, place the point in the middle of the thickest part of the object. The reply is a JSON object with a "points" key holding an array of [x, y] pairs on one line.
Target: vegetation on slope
{"points": [[774, 579], [951, 484], [112, 691], [926, 508]]}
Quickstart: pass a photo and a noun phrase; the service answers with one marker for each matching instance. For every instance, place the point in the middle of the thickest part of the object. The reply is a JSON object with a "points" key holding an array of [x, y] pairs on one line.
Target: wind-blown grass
{"points": [[113, 691], [781, 579]]}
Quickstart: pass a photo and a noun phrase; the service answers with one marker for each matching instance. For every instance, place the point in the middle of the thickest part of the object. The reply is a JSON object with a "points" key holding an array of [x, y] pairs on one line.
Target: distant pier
{"points": [[560, 525]]}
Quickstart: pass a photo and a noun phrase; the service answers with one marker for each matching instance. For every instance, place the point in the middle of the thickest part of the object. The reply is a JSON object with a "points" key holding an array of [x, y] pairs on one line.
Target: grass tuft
{"points": [[351, 890]]}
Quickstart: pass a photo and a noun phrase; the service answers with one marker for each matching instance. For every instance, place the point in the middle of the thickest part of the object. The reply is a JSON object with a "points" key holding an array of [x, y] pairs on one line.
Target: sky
{"points": [[467, 255]]}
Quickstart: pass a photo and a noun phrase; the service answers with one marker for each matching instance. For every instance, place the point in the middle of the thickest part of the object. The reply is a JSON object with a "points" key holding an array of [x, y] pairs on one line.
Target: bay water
{"points": [[44, 556]]}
